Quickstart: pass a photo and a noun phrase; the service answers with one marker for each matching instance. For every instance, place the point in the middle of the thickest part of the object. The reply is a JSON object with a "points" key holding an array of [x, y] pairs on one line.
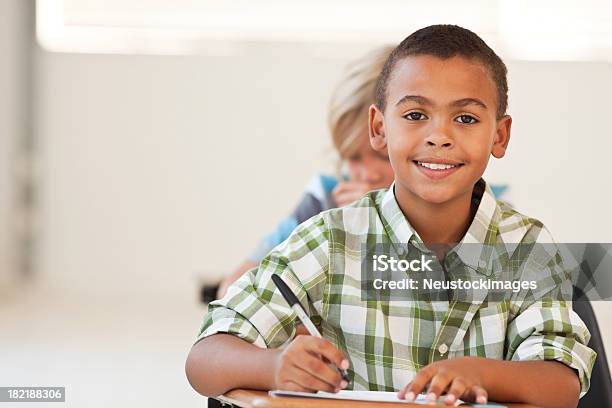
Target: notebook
{"points": [[378, 396], [375, 396]]}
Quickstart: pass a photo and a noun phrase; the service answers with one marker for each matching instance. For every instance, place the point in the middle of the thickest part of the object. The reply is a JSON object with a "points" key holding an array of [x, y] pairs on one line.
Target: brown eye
{"points": [[466, 119], [415, 116]]}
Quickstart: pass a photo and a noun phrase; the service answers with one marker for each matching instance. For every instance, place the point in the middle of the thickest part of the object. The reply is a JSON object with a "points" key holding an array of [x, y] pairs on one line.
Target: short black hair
{"points": [[446, 41]]}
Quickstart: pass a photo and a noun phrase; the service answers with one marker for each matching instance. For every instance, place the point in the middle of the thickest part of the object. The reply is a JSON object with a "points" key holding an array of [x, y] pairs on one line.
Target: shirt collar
{"points": [[481, 234], [476, 246], [398, 228]]}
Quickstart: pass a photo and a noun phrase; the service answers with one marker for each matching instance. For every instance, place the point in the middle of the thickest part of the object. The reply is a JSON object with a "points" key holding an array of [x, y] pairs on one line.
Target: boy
{"points": [[440, 112]]}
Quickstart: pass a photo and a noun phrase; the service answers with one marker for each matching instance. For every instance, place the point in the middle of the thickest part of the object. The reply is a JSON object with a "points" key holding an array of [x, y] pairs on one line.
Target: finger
{"points": [[337, 199], [402, 393], [476, 394], [456, 389], [317, 368], [438, 384], [292, 386], [418, 383], [340, 188], [300, 330], [309, 381], [324, 348]]}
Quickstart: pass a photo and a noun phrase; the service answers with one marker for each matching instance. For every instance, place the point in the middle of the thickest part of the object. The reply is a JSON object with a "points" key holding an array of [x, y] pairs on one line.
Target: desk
{"points": [[261, 399]]}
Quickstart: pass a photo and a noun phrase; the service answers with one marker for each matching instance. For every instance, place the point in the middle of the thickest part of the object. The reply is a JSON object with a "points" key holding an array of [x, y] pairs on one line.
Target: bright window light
{"points": [[520, 29], [566, 30]]}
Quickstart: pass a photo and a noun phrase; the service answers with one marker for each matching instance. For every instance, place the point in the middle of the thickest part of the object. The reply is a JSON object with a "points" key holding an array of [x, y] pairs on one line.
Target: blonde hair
{"points": [[351, 99]]}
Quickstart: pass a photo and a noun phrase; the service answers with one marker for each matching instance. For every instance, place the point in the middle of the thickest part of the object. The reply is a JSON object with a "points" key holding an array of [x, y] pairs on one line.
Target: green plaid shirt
{"points": [[387, 342]]}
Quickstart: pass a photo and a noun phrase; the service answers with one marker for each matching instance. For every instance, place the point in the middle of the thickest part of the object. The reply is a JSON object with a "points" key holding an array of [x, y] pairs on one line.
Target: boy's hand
{"points": [[458, 377], [303, 365]]}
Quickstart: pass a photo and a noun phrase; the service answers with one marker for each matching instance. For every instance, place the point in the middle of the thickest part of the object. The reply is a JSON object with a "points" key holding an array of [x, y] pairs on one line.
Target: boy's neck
{"points": [[444, 223]]}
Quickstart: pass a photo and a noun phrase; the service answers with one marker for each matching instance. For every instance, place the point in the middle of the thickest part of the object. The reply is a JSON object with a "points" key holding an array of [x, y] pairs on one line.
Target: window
{"points": [[547, 29]]}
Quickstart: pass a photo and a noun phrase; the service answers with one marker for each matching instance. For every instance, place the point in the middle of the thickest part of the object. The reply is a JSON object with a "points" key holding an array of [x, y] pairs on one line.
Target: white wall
{"points": [[558, 161], [153, 167]]}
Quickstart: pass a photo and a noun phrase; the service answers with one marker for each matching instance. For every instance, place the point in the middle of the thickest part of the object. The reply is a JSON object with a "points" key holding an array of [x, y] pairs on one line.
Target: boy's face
{"points": [[439, 126]]}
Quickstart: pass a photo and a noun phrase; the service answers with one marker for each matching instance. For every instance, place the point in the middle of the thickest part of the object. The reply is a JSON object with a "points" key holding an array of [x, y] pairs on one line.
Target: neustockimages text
{"points": [[385, 263]]}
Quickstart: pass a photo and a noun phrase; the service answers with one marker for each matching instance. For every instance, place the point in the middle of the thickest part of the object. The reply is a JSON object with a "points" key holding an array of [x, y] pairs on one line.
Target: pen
{"points": [[297, 307]]}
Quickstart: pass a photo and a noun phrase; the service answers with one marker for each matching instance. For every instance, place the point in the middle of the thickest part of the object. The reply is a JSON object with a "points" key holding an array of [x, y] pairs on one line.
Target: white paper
{"points": [[378, 396]]}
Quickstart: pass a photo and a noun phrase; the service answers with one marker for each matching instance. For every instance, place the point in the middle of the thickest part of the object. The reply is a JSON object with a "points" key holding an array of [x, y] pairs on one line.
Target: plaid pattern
{"points": [[387, 342]]}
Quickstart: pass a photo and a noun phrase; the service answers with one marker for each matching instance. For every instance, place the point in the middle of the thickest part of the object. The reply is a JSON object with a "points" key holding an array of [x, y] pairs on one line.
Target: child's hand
{"points": [[458, 377], [348, 191], [304, 366]]}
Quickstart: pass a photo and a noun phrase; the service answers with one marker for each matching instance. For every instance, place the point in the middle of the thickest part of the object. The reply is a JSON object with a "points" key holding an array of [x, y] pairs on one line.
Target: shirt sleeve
{"points": [[545, 327], [253, 308]]}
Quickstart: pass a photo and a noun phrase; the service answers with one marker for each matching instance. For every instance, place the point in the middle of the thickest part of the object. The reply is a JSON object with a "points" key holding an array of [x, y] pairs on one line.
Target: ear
{"points": [[376, 129], [502, 137]]}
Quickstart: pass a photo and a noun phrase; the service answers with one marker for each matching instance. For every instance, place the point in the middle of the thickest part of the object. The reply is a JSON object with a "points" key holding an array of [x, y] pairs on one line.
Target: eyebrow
{"points": [[469, 101], [421, 100]]}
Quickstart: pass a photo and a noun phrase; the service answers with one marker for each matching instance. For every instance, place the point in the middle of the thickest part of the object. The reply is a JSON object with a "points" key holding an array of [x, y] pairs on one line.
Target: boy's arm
{"points": [[256, 327], [541, 383], [213, 370]]}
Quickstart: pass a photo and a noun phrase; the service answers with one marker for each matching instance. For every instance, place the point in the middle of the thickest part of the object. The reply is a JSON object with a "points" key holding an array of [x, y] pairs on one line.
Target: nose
{"points": [[440, 137]]}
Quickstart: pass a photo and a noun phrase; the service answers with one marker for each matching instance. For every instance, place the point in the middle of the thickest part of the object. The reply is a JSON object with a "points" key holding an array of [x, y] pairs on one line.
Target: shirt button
{"points": [[443, 349]]}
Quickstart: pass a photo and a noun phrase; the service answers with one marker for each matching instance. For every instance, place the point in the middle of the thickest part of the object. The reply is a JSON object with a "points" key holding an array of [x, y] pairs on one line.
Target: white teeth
{"points": [[437, 166]]}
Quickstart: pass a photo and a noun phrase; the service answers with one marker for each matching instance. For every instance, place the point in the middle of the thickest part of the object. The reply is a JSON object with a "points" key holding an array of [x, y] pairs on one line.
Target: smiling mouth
{"points": [[437, 169], [437, 166]]}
